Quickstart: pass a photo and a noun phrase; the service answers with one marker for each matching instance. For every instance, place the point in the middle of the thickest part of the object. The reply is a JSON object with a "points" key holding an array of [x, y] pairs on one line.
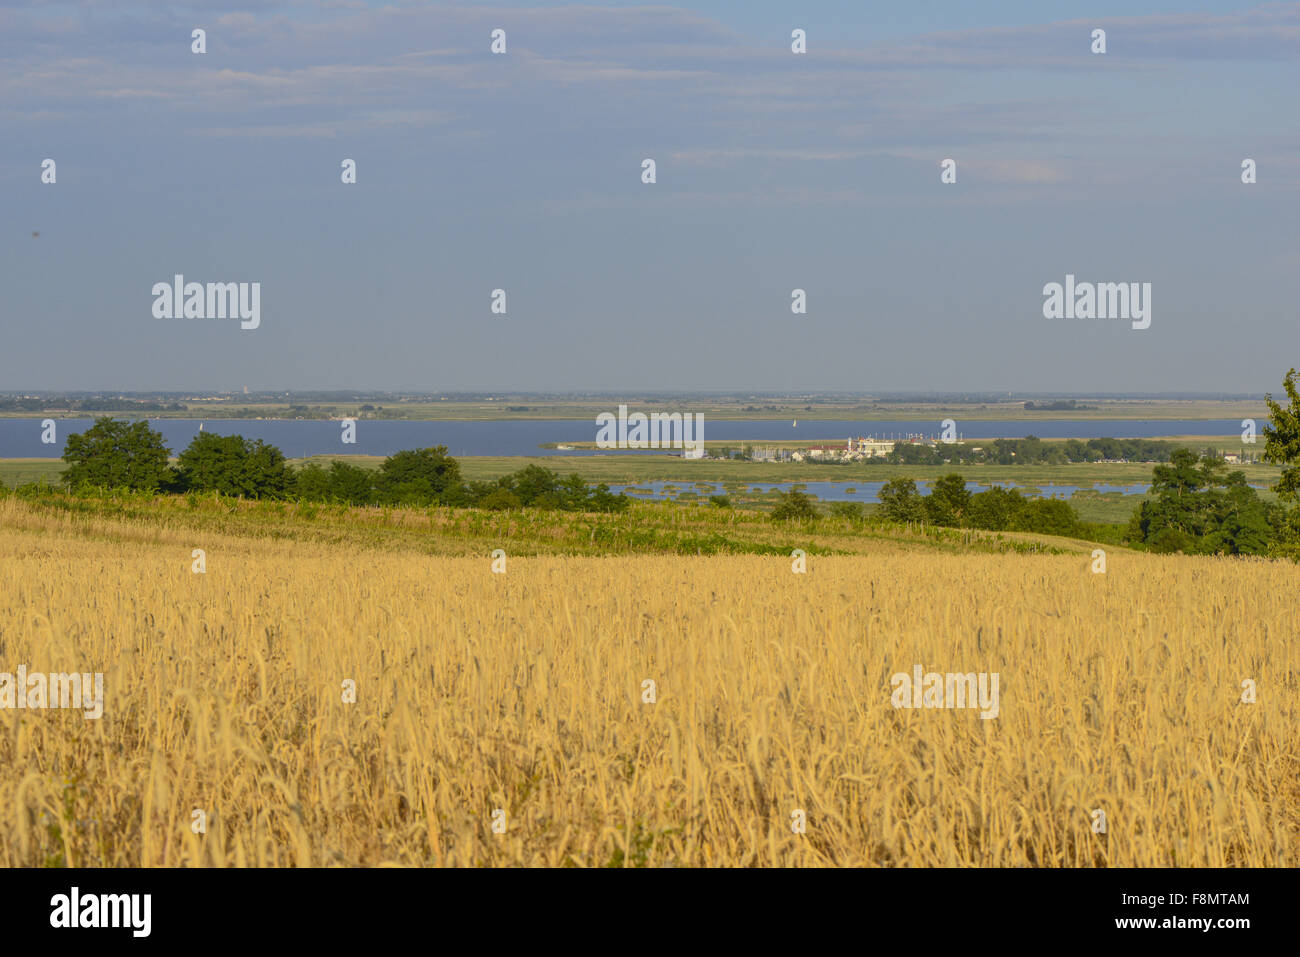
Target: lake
{"points": [[21, 438], [865, 492], [840, 491]]}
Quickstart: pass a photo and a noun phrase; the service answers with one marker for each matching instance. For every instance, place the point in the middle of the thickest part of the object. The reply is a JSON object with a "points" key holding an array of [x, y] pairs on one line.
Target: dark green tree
{"points": [[352, 484], [341, 482], [795, 506], [1180, 477], [536, 485], [312, 483], [901, 502], [849, 510], [948, 499], [996, 509], [114, 453], [420, 477], [499, 499], [1282, 438], [601, 499], [1046, 516], [1203, 508], [233, 465]]}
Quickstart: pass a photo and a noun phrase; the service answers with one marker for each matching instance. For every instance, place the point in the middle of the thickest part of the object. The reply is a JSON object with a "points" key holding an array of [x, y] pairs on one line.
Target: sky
{"points": [[775, 171]]}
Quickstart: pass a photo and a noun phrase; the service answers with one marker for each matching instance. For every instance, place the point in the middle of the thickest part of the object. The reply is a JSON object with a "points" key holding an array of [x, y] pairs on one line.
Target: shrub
{"points": [[794, 506], [849, 510]]}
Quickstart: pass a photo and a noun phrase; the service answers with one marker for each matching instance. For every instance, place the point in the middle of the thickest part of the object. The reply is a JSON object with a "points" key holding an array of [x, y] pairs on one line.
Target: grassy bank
{"points": [[1092, 505], [645, 528]]}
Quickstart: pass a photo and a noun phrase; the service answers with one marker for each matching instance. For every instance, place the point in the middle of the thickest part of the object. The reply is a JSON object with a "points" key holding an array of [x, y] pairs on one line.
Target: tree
{"points": [[1046, 516], [341, 482], [849, 510], [601, 499], [911, 453], [994, 510], [901, 502], [312, 483], [499, 499], [533, 483], [114, 453], [352, 484], [420, 477], [947, 501], [1076, 451], [1282, 447], [794, 506], [233, 465], [1180, 477], [1282, 438], [1203, 508]]}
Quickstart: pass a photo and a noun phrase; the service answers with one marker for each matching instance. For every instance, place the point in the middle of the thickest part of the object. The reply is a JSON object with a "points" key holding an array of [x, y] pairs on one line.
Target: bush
{"points": [[794, 506], [499, 499], [1171, 540], [1047, 516], [341, 482], [849, 510]]}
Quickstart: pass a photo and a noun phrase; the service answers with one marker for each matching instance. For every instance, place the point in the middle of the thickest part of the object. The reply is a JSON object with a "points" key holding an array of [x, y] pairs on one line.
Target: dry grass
{"points": [[522, 692]]}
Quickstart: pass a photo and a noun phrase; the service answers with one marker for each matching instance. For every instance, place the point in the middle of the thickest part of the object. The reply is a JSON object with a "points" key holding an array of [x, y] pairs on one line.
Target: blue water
{"points": [[839, 491], [21, 438], [862, 491]]}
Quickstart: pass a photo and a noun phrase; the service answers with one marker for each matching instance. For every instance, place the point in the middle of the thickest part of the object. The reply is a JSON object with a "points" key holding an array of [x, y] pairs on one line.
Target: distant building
{"points": [[869, 448]]}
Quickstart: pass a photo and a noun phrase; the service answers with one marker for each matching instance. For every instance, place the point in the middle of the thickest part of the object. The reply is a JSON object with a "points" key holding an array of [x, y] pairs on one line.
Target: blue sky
{"points": [[775, 172]]}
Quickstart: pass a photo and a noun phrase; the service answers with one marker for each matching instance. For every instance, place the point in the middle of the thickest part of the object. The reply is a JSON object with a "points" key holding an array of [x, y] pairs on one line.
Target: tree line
{"points": [[1031, 450], [1196, 505], [130, 455], [21, 404], [951, 503]]}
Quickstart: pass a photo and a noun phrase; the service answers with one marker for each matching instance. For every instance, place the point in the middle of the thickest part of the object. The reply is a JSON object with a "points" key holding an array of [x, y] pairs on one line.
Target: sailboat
{"points": [[795, 424]]}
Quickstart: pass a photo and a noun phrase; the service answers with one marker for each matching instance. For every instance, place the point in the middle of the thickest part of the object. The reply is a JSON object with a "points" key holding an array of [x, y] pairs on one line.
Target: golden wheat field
{"points": [[523, 693]]}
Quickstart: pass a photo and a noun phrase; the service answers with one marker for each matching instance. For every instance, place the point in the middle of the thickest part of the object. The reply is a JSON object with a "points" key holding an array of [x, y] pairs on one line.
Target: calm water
{"points": [[861, 491], [21, 438], [839, 491]]}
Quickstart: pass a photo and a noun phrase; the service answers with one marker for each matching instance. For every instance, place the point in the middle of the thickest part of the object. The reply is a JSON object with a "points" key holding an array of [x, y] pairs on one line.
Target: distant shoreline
{"points": [[734, 410]]}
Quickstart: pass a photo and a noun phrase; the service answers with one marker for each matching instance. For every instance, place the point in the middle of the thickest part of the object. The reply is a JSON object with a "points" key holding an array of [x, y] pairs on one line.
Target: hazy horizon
{"points": [[963, 396]]}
